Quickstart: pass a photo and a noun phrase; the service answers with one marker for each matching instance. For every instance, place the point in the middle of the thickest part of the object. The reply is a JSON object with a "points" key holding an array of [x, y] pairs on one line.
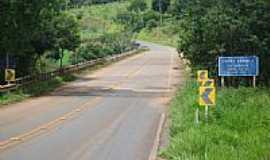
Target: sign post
{"points": [[197, 118], [206, 113], [202, 77], [7, 67], [254, 81], [207, 97], [222, 82], [207, 93], [245, 66]]}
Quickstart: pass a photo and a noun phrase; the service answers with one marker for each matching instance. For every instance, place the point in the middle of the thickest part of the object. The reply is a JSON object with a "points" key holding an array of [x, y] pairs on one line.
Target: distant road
{"points": [[111, 114]]}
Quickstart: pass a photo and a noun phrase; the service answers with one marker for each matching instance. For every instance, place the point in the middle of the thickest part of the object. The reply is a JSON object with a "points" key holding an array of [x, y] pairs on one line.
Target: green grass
{"points": [[165, 34], [157, 36], [99, 19], [238, 128], [35, 89]]}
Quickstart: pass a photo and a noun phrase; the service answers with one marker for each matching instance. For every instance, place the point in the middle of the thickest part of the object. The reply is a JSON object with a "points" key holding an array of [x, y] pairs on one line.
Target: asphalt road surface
{"points": [[111, 114]]}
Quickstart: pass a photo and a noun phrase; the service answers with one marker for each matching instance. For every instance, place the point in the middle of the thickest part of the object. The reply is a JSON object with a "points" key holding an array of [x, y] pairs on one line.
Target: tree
{"points": [[24, 30], [212, 28], [67, 35], [160, 5], [138, 5]]}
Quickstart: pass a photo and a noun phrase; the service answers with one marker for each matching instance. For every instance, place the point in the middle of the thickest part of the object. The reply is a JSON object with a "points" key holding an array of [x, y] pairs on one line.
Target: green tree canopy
{"points": [[66, 35], [137, 5], [209, 29], [160, 5]]}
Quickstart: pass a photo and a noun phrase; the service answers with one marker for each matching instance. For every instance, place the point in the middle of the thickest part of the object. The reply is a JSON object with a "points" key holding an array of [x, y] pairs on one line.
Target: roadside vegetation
{"points": [[50, 35], [204, 30], [213, 28], [64, 34], [100, 36], [148, 22], [238, 127]]}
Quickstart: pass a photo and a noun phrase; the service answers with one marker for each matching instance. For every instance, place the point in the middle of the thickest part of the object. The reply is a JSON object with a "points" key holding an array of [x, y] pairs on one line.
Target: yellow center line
{"points": [[50, 125], [54, 123]]}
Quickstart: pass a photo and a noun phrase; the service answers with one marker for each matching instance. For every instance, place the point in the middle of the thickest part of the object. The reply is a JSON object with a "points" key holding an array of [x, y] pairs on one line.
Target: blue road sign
{"points": [[238, 66]]}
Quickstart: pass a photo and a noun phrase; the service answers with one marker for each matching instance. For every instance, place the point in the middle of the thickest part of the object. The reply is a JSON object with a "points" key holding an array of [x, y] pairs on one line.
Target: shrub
{"points": [[138, 6], [105, 45], [161, 5]]}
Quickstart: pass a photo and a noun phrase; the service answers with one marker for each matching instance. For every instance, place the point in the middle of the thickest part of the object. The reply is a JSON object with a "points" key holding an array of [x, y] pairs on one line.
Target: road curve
{"points": [[111, 114]]}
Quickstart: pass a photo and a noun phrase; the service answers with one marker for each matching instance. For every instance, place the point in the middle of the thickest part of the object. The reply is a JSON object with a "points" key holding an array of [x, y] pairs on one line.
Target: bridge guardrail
{"points": [[22, 81]]}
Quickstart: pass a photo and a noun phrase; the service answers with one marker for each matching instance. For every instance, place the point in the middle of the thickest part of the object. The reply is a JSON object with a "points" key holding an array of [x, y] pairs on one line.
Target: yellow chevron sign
{"points": [[10, 75], [202, 75], [207, 96], [208, 83]]}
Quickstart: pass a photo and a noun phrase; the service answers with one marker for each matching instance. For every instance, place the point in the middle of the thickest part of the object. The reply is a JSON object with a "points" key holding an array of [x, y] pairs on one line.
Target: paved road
{"points": [[111, 114]]}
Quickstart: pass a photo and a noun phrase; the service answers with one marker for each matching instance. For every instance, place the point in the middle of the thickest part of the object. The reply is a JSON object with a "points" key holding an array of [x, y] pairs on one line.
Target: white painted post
{"points": [[222, 82], [197, 116], [206, 113], [254, 81]]}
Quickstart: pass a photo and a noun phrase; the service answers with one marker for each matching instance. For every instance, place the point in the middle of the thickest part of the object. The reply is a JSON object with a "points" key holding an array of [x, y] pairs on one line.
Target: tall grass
{"points": [[238, 129]]}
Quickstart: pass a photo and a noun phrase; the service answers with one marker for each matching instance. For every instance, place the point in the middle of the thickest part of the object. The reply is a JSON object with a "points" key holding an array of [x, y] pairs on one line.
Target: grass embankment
{"points": [[239, 131]]}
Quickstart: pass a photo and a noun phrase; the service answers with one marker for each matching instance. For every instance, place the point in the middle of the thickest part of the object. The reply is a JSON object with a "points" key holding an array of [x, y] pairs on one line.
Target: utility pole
{"points": [[67, 4], [160, 10], [7, 65], [7, 61]]}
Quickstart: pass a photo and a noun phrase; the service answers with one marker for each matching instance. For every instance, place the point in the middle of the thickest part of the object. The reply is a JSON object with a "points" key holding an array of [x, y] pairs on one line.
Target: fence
{"points": [[22, 81]]}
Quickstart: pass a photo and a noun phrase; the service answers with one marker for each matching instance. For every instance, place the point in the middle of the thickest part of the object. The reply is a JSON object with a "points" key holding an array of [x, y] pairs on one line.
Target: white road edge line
{"points": [[154, 151]]}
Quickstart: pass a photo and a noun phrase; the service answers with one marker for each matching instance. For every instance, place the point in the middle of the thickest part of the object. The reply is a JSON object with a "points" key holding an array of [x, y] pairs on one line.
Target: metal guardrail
{"points": [[22, 81]]}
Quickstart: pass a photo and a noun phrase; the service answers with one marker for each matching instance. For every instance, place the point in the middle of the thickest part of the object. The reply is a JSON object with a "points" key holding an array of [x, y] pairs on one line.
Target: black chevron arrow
{"points": [[205, 95], [208, 83]]}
